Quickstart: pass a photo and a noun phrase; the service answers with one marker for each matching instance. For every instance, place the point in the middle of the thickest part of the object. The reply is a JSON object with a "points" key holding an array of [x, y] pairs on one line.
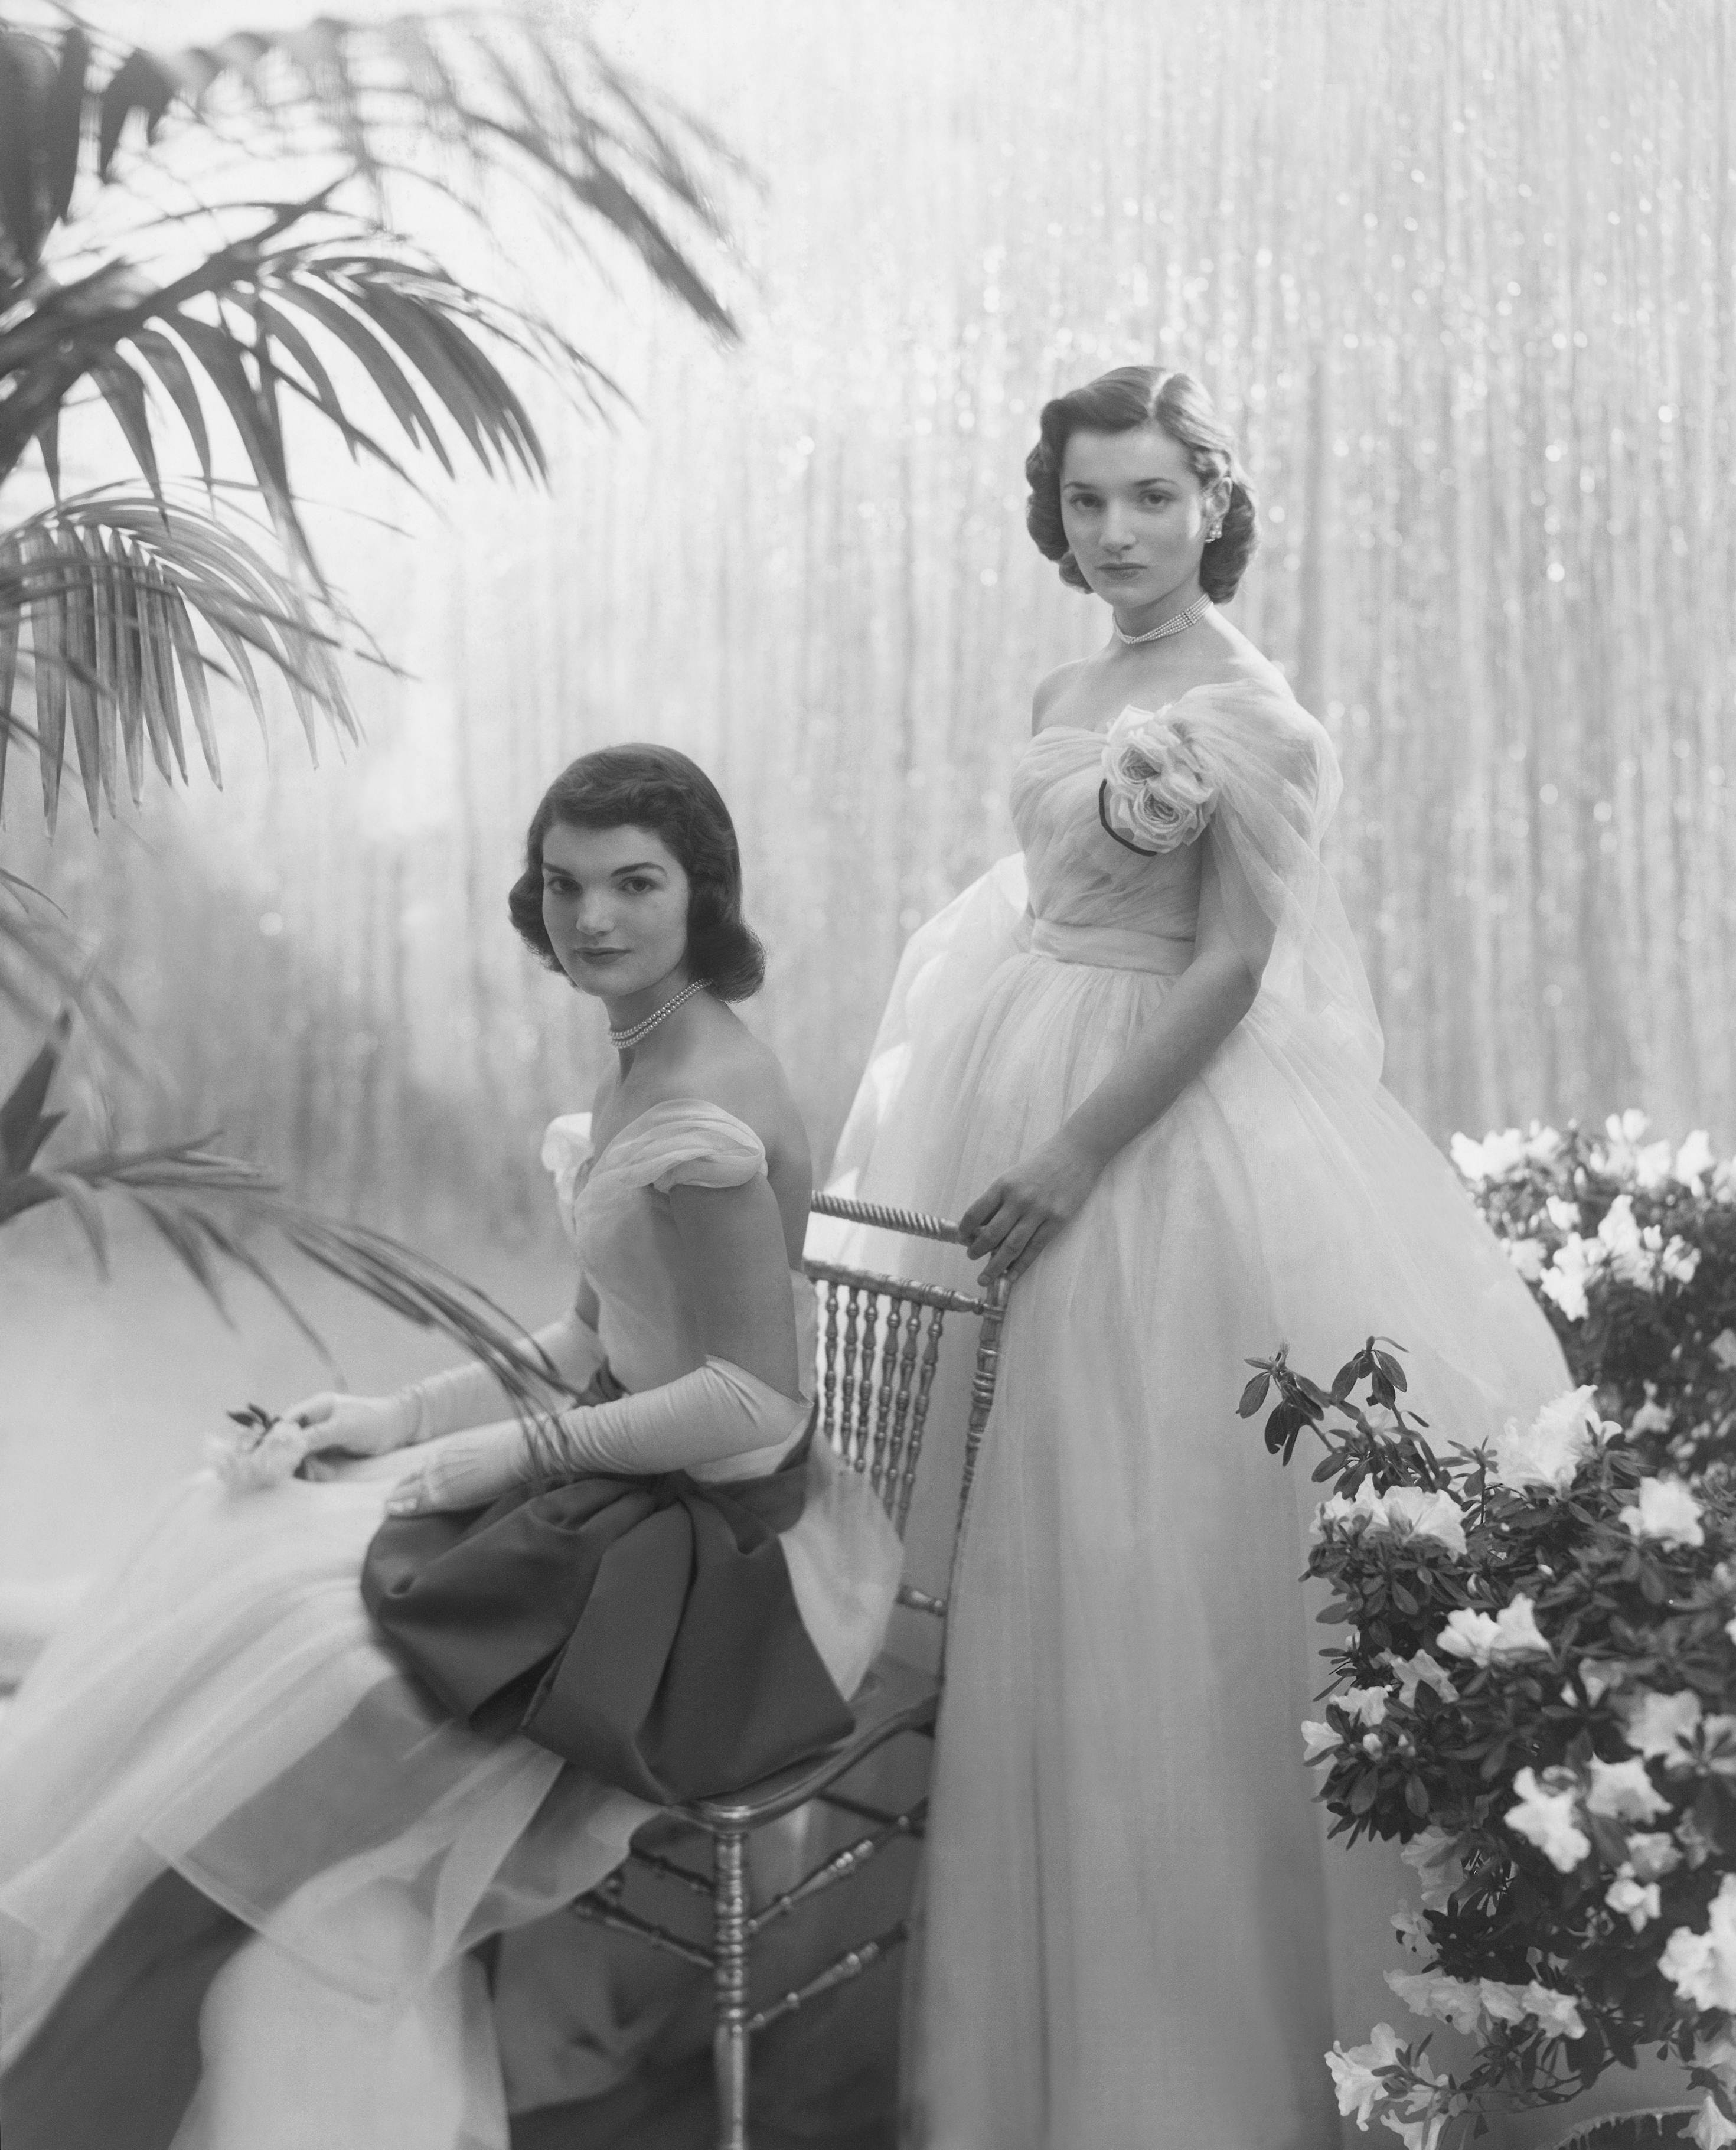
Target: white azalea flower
{"points": [[1652, 1855], [1502, 2003], [1545, 1817], [1413, 1671], [1360, 2089], [1597, 1679], [1679, 1260], [1543, 1145], [1500, 1152], [1433, 1857], [1702, 1967], [1410, 1513], [1550, 1450], [1512, 1633], [1651, 1416], [1660, 1725], [1433, 1994], [1317, 1739], [1526, 1256], [1723, 1182], [1638, 1902], [1348, 1510], [1666, 1512], [1694, 1160], [1409, 1926], [1576, 1262], [1624, 1244], [1730, 1627], [251, 1463], [1366, 1704], [1557, 2012], [1563, 1214], [1723, 1348], [1711, 2131], [1624, 1791]]}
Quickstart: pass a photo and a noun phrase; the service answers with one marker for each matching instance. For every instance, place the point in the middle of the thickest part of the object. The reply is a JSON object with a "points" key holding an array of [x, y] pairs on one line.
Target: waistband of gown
{"points": [[1110, 947]]}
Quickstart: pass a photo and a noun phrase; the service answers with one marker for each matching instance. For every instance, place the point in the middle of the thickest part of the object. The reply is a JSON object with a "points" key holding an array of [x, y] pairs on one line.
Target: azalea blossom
{"points": [[1511, 1633], [1502, 2003], [1666, 1512], [1637, 1901], [1412, 1672], [1576, 1262], [1629, 1249], [1661, 1723], [1557, 2012], [1526, 1256], [1410, 1513], [1679, 1260], [1543, 1145], [1433, 1994], [1624, 1791], [1360, 2089], [1433, 1856], [1410, 1928], [1651, 1416], [1702, 1967], [1722, 1348], [1545, 1817], [1562, 1214], [251, 1463], [1551, 1449], [1711, 2131], [1366, 1704], [1694, 1160], [1493, 1157], [1652, 1855], [1317, 1739]]}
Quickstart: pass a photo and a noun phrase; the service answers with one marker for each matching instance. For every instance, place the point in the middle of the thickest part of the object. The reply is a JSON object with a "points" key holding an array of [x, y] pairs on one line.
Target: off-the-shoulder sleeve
{"points": [[566, 1152], [1274, 782], [687, 1142]]}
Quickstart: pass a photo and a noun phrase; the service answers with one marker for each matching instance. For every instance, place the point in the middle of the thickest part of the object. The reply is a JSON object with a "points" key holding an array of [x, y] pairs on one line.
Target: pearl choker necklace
{"points": [[1177, 622], [635, 1032]]}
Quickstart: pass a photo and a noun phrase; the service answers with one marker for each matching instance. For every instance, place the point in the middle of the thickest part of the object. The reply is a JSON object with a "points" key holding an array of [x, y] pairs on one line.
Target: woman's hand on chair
{"points": [[353, 1426], [1016, 1216]]}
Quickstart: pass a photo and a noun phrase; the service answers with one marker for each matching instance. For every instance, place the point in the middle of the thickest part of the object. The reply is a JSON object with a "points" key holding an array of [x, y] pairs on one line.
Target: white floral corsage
{"points": [[261, 1452], [1159, 784]]}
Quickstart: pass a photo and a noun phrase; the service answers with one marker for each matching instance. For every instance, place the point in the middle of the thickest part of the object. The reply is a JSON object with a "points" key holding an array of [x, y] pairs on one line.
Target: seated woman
{"points": [[267, 1794]]}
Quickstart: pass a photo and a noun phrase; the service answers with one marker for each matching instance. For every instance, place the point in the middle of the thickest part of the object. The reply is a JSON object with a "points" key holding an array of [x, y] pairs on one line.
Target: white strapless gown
{"points": [[233, 1646], [1135, 1937]]}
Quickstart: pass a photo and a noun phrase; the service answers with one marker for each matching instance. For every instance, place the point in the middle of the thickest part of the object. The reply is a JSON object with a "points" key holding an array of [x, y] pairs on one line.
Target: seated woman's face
{"points": [[614, 907]]}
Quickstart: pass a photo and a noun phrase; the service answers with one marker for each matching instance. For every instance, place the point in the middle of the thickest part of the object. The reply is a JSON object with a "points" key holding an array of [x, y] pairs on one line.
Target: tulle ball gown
{"points": [[1133, 1937], [247, 1858]]}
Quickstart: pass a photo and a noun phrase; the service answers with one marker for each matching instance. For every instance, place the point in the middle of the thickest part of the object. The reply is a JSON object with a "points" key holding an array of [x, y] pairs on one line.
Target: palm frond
{"points": [[114, 589], [208, 1209]]}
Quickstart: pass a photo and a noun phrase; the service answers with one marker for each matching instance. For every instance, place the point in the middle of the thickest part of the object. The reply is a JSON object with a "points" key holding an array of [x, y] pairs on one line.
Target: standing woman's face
{"points": [[614, 907], [1136, 516]]}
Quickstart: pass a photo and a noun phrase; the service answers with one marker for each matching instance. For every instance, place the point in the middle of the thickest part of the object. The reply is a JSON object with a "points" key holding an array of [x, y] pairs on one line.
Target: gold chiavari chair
{"points": [[880, 1347]]}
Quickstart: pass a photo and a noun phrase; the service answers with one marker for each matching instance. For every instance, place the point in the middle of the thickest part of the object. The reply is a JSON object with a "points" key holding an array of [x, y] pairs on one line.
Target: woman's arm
{"points": [[1013, 1219], [735, 1275]]}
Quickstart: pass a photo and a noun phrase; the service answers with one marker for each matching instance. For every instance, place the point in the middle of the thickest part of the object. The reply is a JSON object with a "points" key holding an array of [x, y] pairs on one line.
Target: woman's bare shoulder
{"points": [[729, 1067], [1051, 691]]}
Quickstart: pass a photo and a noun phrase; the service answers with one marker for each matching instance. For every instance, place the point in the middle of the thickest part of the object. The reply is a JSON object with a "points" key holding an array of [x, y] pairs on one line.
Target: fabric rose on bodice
{"points": [[1159, 783], [567, 1154]]}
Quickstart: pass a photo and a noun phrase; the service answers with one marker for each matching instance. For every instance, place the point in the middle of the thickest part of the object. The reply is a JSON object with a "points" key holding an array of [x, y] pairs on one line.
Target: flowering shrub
{"points": [[1630, 1248], [1531, 1695]]}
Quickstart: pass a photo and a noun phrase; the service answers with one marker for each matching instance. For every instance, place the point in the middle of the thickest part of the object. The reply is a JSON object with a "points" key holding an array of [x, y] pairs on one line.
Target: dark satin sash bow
{"points": [[644, 1629]]}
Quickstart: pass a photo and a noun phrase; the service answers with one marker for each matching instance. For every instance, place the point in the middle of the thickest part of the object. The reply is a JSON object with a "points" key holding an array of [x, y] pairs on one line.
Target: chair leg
{"points": [[729, 2032]]}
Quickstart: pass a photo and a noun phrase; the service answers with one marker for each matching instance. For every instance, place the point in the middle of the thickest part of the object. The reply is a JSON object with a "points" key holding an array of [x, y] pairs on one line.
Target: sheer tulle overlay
{"points": [[1133, 1932], [224, 1708]]}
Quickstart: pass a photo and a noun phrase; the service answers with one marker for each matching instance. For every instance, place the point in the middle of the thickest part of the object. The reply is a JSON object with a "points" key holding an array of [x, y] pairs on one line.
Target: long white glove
{"points": [[444, 1403], [718, 1411]]}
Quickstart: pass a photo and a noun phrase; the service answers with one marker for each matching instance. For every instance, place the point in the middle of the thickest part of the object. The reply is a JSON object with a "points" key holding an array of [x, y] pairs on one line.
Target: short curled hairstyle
{"points": [[655, 788], [1120, 402]]}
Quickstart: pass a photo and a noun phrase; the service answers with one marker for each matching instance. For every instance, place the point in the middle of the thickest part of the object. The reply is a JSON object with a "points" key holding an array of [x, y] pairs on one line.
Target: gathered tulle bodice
{"points": [[1093, 900], [615, 1209]]}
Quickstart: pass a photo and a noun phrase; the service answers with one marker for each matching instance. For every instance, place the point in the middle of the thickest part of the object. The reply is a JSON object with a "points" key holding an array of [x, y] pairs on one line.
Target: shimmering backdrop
{"points": [[1460, 273]]}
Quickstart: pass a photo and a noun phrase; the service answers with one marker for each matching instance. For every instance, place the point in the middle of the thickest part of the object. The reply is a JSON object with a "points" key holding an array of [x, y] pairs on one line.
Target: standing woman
{"points": [[1144, 1064]]}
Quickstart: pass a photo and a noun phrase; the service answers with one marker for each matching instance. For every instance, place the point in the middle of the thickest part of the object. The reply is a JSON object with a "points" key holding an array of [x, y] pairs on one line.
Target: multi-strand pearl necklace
{"points": [[1177, 622], [635, 1031]]}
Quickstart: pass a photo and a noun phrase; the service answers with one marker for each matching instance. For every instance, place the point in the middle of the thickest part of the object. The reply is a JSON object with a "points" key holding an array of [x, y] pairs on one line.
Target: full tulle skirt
{"points": [[223, 1710], [1133, 1935]]}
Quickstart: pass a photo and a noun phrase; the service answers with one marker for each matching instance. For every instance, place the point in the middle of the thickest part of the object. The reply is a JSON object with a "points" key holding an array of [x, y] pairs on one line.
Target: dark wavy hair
{"points": [[1120, 402], [656, 788]]}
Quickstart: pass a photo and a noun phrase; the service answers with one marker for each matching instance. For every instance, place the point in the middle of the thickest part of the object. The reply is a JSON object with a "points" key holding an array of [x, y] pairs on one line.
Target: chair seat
{"points": [[894, 1698]]}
